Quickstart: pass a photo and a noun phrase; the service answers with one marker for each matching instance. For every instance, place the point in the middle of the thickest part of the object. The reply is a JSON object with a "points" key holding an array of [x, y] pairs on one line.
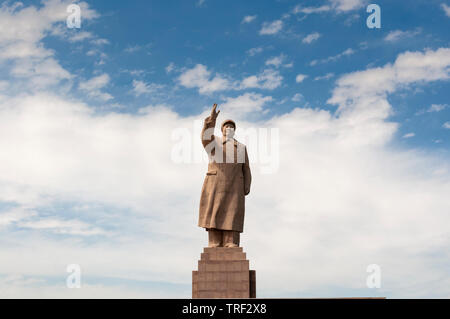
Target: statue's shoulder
{"points": [[239, 144]]}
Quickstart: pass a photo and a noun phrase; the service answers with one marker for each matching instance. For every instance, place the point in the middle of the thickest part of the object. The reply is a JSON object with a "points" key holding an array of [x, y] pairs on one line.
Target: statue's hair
{"points": [[228, 121]]}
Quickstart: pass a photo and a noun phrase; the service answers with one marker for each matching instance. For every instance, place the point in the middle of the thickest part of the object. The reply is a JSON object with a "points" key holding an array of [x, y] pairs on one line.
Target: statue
{"points": [[227, 182]]}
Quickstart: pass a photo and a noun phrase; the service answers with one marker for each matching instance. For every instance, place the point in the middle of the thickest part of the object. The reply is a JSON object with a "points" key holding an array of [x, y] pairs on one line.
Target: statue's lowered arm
{"points": [[247, 174]]}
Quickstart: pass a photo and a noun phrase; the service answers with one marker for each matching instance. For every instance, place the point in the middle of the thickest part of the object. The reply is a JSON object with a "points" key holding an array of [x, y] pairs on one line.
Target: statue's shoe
{"points": [[229, 245]]}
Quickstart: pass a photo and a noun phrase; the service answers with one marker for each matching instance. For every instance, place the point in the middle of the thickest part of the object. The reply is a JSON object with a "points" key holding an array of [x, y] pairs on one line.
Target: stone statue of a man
{"points": [[227, 182]]}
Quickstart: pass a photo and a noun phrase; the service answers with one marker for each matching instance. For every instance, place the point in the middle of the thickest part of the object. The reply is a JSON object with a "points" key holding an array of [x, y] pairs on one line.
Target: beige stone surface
{"points": [[227, 181], [223, 273]]}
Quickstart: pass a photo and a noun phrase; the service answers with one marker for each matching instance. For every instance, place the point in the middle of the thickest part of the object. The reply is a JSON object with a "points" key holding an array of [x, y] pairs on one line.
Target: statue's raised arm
{"points": [[207, 134]]}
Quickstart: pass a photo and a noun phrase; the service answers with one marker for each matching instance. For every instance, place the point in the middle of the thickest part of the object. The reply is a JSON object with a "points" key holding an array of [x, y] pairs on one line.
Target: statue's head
{"points": [[228, 128]]}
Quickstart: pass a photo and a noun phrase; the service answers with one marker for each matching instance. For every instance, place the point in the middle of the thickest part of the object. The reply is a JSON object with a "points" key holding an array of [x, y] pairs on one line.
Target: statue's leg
{"points": [[214, 237], [231, 238]]}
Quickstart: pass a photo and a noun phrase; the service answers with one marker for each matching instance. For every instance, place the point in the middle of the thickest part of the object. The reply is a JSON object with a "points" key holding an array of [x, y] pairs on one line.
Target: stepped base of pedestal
{"points": [[223, 273]]}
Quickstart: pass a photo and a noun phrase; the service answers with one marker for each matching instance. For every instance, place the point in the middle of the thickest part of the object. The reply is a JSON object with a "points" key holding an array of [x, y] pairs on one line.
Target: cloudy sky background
{"points": [[89, 118]]}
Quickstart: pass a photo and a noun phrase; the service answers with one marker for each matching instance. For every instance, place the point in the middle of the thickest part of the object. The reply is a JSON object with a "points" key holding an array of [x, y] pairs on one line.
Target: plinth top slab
{"points": [[222, 249]]}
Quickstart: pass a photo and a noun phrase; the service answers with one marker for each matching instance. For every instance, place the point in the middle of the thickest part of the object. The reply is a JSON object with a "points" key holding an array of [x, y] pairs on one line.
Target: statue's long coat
{"points": [[222, 201]]}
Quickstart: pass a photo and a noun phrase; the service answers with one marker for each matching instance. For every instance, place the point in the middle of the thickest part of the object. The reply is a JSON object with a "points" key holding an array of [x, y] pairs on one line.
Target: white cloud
{"points": [[309, 10], [243, 104], [31, 25], [433, 108], [93, 87], [140, 87], [276, 61], [57, 226], [347, 52], [409, 135], [437, 107], [339, 6], [101, 55], [248, 19], [199, 77], [396, 35], [80, 36], [137, 47], [362, 95], [254, 51], [31, 287], [344, 193], [282, 101], [324, 77], [40, 72], [446, 9], [347, 5], [269, 79], [170, 67], [311, 37], [14, 215], [271, 27], [446, 125], [22, 44], [100, 41], [95, 83], [300, 77], [135, 72], [297, 97], [133, 48], [3, 85]]}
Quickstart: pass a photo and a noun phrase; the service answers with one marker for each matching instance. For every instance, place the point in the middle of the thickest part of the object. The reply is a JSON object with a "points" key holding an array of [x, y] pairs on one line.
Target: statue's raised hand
{"points": [[214, 114]]}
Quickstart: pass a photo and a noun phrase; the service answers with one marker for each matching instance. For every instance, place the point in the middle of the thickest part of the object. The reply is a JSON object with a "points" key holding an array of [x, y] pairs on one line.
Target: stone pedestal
{"points": [[223, 273]]}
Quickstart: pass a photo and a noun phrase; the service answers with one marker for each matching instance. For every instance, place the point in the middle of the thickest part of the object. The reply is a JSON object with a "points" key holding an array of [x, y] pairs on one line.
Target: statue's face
{"points": [[228, 130]]}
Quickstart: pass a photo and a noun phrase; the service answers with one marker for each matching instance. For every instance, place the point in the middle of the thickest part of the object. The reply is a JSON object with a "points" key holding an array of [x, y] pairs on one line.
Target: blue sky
{"points": [[147, 36], [87, 122]]}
